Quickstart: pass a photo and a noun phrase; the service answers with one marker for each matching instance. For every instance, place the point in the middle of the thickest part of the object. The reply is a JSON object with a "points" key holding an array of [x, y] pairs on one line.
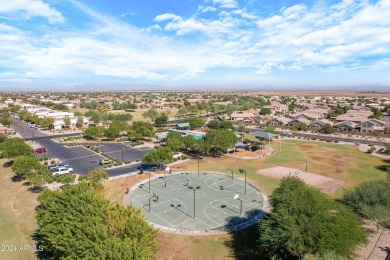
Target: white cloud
{"points": [[352, 35], [226, 3], [31, 8], [164, 17], [205, 9]]}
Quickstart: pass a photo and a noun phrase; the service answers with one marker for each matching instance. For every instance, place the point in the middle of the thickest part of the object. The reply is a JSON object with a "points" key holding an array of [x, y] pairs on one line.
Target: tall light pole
{"points": [[198, 157], [149, 180], [230, 170], [194, 189], [123, 159], [236, 197], [243, 171]]}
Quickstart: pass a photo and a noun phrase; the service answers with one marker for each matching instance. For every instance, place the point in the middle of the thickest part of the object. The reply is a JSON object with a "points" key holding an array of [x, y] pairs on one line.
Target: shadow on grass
{"points": [[385, 168], [43, 254], [244, 243]]}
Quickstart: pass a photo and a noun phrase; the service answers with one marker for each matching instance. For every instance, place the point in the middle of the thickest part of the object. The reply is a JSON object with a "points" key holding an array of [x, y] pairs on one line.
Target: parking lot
{"points": [[79, 158], [124, 152]]}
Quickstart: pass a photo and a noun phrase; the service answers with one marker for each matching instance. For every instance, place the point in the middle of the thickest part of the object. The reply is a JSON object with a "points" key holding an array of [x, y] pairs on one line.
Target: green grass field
{"points": [[344, 162]]}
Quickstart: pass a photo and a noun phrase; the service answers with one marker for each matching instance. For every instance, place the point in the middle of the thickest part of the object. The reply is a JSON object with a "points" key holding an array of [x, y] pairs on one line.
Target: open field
{"points": [[17, 215], [344, 162]]}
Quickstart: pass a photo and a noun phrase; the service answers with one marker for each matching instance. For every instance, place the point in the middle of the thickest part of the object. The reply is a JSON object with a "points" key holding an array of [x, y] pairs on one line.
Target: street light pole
{"points": [[236, 197], [243, 171], [194, 189], [230, 170], [198, 165], [149, 180], [123, 159]]}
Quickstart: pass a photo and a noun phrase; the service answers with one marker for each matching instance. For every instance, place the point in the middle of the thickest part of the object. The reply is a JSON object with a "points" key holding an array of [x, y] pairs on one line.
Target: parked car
{"points": [[62, 170], [57, 165], [105, 161], [39, 150]]}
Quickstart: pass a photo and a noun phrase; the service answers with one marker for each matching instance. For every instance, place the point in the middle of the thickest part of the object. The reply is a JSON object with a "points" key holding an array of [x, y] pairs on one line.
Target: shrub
{"points": [[306, 222], [371, 150]]}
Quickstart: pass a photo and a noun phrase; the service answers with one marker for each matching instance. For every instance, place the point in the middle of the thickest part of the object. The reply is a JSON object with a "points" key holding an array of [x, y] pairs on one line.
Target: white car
{"points": [[62, 170]]}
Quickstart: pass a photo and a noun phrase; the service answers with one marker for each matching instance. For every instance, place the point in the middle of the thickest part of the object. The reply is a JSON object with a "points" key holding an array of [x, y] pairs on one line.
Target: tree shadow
{"points": [[41, 254], [17, 178], [244, 243], [384, 168], [8, 164], [36, 189]]}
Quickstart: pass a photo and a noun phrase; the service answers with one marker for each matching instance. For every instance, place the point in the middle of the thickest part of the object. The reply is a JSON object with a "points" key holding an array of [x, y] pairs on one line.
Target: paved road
{"points": [[80, 158], [25, 131], [32, 134], [325, 137]]}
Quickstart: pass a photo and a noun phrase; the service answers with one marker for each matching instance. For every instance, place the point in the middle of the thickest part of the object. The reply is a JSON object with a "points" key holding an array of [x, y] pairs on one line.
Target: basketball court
{"points": [[185, 202]]}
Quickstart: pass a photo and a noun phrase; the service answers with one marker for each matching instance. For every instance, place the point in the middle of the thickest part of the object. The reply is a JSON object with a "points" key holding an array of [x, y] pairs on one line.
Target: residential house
{"points": [[281, 120], [295, 122], [320, 124], [356, 116], [373, 125], [346, 126]]}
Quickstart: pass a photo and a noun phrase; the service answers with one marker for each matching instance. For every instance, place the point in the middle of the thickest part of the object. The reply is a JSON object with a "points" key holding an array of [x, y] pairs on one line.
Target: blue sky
{"points": [[177, 42]]}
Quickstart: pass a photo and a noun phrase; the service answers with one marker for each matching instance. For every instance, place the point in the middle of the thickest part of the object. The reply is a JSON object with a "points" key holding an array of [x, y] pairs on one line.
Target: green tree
{"points": [[328, 129], [213, 124], [141, 129], [115, 128], [79, 223], [80, 121], [67, 121], [26, 164], [162, 119], [5, 119], [174, 140], [156, 156], [96, 177], [13, 147], [301, 127], [220, 140], [94, 132], [95, 117], [306, 222], [46, 122], [226, 125], [60, 107], [152, 114], [265, 111]]}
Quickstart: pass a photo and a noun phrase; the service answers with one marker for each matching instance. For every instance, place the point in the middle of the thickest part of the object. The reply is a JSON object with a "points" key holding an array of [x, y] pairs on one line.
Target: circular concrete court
{"points": [[216, 210]]}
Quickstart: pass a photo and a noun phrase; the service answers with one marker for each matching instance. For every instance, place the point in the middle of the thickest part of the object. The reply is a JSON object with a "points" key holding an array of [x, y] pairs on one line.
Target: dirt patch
{"points": [[326, 184], [306, 147]]}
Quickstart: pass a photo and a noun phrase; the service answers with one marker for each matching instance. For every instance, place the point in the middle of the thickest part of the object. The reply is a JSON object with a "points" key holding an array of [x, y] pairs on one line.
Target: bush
{"points": [[371, 150], [372, 200], [306, 222]]}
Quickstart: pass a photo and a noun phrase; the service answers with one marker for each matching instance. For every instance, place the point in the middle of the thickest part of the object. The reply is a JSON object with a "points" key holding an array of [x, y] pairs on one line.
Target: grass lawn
{"points": [[344, 162], [17, 215]]}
